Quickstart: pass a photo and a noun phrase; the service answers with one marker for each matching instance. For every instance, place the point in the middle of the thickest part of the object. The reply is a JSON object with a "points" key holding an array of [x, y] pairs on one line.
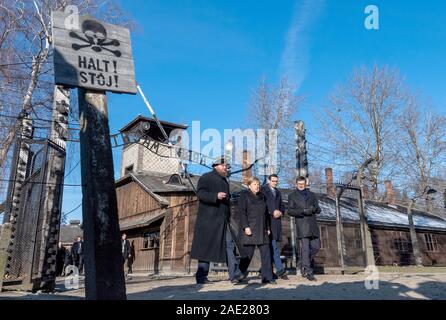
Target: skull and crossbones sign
{"points": [[95, 37]]}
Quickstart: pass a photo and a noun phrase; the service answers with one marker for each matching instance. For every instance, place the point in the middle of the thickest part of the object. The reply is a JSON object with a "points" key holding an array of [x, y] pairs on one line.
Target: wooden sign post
{"points": [[96, 57]]}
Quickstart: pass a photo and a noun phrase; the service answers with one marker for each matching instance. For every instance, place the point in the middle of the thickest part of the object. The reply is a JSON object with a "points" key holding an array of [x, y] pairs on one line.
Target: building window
{"points": [[129, 169], [324, 237], [358, 239], [431, 242], [151, 239], [400, 242]]}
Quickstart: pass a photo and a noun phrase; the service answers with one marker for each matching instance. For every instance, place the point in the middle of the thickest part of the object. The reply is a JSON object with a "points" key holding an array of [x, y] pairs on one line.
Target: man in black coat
{"points": [[214, 238], [60, 259], [304, 206], [77, 254], [276, 209], [126, 252]]}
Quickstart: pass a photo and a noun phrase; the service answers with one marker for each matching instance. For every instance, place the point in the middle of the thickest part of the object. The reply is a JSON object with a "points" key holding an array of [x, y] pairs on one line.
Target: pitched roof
{"points": [[378, 214], [69, 233], [157, 182], [167, 125], [141, 221]]}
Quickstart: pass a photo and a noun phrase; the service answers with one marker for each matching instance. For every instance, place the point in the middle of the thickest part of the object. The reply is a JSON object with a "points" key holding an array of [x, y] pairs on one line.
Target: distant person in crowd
{"points": [[255, 223], [214, 238], [126, 252], [276, 210], [304, 206], [68, 261], [77, 254], [60, 259]]}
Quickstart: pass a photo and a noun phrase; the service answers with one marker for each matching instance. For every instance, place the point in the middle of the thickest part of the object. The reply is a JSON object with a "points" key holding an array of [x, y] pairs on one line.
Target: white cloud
{"points": [[296, 54]]}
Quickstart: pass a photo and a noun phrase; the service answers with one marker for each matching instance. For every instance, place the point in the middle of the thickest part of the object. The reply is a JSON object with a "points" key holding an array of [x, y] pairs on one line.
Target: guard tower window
{"points": [[129, 169], [175, 179]]}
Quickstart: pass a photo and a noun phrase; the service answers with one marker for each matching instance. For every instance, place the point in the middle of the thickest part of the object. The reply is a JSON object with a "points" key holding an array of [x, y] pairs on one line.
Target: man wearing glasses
{"points": [[276, 209]]}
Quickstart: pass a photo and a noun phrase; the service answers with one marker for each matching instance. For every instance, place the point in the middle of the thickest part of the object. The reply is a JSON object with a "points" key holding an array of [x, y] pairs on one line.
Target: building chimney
{"points": [[390, 193], [329, 181], [246, 174]]}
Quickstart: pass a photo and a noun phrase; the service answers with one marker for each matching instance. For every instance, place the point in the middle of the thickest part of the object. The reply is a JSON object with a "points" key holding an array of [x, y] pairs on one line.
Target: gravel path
{"points": [[338, 287]]}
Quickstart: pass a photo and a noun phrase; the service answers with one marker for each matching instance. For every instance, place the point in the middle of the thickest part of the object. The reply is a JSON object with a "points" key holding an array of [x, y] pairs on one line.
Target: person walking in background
{"points": [[304, 206], [255, 223], [126, 252], [68, 261], [60, 259], [77, 254], [276, 209]]}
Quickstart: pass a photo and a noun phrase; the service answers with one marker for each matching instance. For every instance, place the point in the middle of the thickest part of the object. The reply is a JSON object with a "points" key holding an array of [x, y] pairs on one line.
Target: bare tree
{"points": [[422, 147], [359, 121], [25, 42], [273, 107]]}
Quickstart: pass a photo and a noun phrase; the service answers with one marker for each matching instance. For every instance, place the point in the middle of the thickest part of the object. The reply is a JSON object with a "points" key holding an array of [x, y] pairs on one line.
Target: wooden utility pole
{"points": [[339, 227], [104, 272], [96, 57], [301, 150], [366, 237]]}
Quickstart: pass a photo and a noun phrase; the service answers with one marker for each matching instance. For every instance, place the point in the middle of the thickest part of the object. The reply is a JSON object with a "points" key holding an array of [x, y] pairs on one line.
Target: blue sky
{"points": [[200, 60]]}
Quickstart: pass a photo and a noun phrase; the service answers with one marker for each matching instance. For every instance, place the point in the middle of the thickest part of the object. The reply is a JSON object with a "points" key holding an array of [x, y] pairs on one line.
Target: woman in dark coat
{"points": [[255, 223]]}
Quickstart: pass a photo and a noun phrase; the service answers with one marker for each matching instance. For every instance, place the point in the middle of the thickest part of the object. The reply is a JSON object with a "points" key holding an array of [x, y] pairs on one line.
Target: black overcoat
{"points": [[209, 242], [305, 211], [253, 213], [274, 202]]}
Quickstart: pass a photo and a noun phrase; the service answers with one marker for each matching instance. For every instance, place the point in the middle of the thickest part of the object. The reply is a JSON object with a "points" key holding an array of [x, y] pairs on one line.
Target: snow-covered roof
{"points": [[378, 214], [382, 214]]}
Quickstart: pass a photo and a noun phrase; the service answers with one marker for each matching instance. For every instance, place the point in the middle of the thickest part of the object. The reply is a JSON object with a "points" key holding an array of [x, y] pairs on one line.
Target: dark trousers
{"points": [[231, 260], [309, 247], [79, 263], [266, 270], [129, 264], [202, 271]]}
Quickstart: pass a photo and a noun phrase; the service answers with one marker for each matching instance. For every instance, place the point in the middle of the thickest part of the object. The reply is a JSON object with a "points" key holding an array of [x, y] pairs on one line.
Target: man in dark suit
{"points": [[77, 254], [304, 206], [276, 209], [126, 252]]}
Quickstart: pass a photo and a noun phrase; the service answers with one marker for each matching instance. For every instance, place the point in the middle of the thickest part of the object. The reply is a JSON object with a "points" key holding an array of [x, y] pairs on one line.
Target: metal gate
{"points": [[30, 263]]}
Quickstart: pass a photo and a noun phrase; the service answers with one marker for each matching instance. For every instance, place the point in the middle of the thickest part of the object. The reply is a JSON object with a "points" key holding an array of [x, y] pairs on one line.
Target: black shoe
{"points": [[282, 274], [311, 277], [204, 281], [275, 276], [269, 281], [240, 278]]}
